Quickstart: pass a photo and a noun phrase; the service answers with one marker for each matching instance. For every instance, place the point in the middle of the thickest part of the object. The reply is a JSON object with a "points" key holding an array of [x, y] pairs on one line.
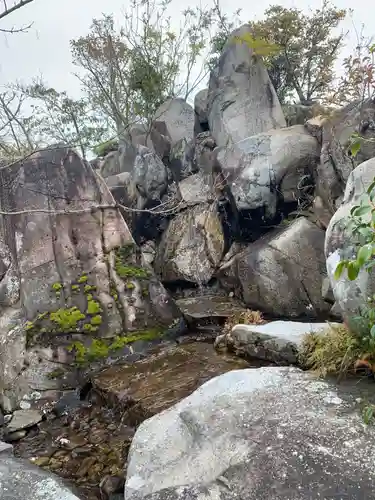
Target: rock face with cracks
{"points": [[267, 168], [69, 267], [192, 246], [290, 260], [241, 99], [269, 433]]}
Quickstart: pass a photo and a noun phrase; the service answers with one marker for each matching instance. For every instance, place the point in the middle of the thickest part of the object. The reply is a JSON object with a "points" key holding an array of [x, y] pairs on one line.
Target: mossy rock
{"points": [[67, 320], [124, 265], [102, 348]]}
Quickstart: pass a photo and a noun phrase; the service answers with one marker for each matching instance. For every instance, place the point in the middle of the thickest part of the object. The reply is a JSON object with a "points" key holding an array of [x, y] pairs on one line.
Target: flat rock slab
{"points": [[277, 341], [158, 382], [23, 419], [274, 433], [6, 448], [208, 306], [20, 480]]}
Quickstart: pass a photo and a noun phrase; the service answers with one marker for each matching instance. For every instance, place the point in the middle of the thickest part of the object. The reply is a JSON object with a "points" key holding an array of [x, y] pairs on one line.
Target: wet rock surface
{"points": [[86, 441]]}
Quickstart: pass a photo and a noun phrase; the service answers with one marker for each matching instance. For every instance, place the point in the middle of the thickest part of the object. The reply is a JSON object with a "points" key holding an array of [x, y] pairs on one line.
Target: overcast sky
{"points": [[45, 48]]}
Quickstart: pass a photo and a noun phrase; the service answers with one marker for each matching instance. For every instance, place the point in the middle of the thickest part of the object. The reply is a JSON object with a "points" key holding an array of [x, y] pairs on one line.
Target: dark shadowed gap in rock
{"points": [[148, 226], [204, 127]]}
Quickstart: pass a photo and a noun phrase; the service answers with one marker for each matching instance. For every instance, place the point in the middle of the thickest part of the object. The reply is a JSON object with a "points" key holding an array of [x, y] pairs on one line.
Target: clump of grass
{"points": [[334, 351], [247, 317]]}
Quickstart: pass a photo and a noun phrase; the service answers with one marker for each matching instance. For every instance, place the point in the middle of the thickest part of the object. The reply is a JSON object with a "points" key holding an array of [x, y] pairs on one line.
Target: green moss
{"points": [[129, 285], [124, 268], [67, 319], [57, 373], [82, 279], [90, 297], [113, 290], [88, 328], [75, 288], [29, 325], [145, 292], [96, 320], [41, 316], [89, 288], [57, 287], [131, 271], [102, 348], [93, 307]]}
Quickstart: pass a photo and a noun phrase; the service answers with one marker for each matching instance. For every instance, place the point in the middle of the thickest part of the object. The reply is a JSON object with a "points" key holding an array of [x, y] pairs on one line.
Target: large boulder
{"points": [[276, 341], [146, 170], [192, 246], [241, 99], [336, 162], [281, 273], [19, 479], [269, 168], [255, 434], [155, 137], [179, 118], [70, 270], [341, 244]]}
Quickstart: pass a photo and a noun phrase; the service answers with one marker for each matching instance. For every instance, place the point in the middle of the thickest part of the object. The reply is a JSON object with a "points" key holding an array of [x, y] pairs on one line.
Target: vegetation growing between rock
{"points": [[102, 348], [333, 351], [125, 269], [247, 317]]}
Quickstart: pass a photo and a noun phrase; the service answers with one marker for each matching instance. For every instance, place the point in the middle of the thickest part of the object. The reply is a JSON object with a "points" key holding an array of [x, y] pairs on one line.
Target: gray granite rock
{"points": [[255, 434], [20, 480]]}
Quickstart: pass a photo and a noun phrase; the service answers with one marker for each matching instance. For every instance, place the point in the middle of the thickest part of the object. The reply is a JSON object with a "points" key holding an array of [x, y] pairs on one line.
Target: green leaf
{"points": [[353, 209], [362, 210], [371, 187], [364, 254], [355, 148], [368, 414], [353, 270], [339, 269], [372, 331]]}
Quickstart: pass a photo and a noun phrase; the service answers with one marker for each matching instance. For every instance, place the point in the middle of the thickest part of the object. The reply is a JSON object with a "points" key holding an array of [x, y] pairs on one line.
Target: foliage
{"points": [[18, 127], [63, 119], [127, 73], [362, 227], [358, 81], [304, 66], [368, 414], [247, 317], [224, 27], [334, 351], [106, 147]]}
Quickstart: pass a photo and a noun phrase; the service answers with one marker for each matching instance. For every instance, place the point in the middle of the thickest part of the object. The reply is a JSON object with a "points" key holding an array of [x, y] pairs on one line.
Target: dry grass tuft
{"points": [[247, 317], [334, 351]]}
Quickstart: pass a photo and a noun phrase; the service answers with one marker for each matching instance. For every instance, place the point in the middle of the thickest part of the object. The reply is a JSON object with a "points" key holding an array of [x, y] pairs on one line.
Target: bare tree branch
{"points": [[18, 5]]}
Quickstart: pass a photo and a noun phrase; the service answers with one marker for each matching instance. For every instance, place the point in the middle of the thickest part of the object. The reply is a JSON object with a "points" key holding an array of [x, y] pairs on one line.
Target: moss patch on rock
{"points": [[125, 268], [66, 319], [102, 348]]}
